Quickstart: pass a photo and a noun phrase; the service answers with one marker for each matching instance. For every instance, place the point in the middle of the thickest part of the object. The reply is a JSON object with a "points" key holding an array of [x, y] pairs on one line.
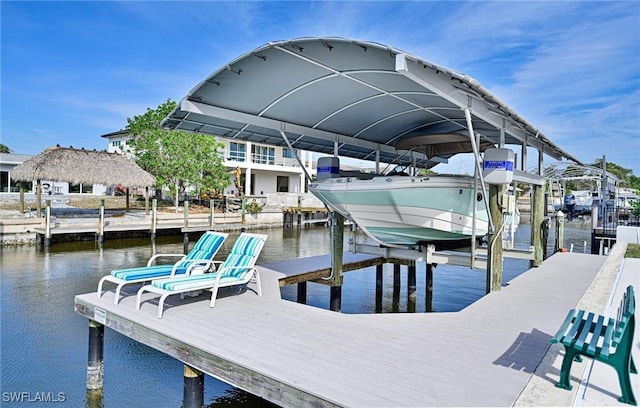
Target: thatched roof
{"points": [[82, 166]]}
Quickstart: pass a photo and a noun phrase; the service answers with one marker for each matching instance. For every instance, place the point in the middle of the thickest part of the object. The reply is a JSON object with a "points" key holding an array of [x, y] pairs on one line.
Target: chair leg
{"points": [[214, 295], [116, 299], [565, 371], [161, 304], [100, 284], [139, 297], [257, 276], [624, 378]]}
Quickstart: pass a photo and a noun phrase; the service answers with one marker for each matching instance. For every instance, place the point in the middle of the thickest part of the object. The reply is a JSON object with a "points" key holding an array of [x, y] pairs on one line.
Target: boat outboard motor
{"points": [[570, 204]]}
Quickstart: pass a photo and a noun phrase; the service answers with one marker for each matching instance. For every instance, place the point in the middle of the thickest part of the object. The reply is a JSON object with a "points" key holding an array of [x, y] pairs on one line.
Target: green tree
{"points": [[4, 148], [623, 174], [177, 159]]}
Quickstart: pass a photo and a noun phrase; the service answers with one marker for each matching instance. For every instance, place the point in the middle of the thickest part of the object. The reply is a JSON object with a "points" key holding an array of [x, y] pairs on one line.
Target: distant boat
{"points": [[579, 202], [406, 211]]}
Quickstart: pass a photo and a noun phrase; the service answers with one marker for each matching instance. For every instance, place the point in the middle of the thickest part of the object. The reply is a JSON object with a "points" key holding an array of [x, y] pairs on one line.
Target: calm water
{"points": [[43, 342]]}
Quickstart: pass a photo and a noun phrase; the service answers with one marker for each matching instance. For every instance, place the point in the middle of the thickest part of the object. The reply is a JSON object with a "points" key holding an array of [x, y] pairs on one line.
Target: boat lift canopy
{"points": [[354, 98]]}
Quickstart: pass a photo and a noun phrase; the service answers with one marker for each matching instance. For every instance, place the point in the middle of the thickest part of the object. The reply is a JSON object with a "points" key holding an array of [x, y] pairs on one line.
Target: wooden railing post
{"points": [[212, 212], [47, 223], [100, 234], [186, 214], [154, 215]]}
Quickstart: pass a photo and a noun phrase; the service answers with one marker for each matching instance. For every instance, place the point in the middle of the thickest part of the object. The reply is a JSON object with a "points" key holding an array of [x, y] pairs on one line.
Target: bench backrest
{"points": [[625, 317]]}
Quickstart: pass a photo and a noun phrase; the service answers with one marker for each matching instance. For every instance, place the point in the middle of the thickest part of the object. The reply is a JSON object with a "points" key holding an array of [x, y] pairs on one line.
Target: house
{"points": [[254, 169], [7, 162]]}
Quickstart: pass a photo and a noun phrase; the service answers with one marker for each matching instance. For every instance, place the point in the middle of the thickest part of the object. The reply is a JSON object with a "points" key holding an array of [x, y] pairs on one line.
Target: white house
{"points": [[263, 168], [7, 162]]}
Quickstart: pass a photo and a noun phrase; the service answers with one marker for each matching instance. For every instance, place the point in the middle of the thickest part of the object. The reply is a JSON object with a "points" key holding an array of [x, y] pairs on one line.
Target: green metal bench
{"points": [[603, 339]]}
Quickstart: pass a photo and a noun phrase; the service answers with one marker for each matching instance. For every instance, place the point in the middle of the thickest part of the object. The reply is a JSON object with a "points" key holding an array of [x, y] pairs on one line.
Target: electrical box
{"points": [[497, 167], [508, 203], [328, 167]]}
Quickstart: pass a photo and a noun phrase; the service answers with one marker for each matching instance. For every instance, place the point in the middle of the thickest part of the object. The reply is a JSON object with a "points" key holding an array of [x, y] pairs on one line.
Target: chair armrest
{"points": [[156, 256]]}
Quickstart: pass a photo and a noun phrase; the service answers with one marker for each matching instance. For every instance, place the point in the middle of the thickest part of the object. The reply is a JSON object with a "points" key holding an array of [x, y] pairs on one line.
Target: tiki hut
{"points": [[80, 166]]}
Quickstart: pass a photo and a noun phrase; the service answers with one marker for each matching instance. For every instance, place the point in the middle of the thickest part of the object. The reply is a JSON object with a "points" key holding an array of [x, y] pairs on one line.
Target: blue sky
{"points": [[73, 71]]}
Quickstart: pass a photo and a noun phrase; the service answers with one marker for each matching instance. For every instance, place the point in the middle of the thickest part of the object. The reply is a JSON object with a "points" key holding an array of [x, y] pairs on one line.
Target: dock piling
{"points": [[47, 223], [335, 302], [379, 286], [95, 365], [429, 288], [212, 219], [185, 243], [186, 214], [395, 297], [494, 251], [302, 293], [559, 231], [337, 229], [193, 396], [537, 219], [154, 217], [411, 281], [100, 233], [412, 295]]}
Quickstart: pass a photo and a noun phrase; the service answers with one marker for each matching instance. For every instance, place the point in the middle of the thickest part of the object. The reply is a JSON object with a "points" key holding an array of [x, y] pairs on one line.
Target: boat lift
{"points": [[358, 99]]}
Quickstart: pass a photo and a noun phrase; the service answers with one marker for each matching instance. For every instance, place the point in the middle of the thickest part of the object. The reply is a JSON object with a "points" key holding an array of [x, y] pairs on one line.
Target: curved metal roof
{"points": [[365, 97]]}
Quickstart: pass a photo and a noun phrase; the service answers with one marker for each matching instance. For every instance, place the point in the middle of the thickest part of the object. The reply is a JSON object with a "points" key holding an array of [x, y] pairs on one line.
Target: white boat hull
{"points": [[407, 210]]}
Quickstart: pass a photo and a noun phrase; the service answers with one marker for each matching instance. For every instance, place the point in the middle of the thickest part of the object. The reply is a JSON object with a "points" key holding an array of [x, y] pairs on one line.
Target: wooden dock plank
{"points": [[298, 355]]}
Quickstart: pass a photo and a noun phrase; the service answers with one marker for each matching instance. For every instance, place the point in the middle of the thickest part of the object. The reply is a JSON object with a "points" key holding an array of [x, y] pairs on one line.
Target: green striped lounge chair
{"points": [[200, 257], [237, 269]]}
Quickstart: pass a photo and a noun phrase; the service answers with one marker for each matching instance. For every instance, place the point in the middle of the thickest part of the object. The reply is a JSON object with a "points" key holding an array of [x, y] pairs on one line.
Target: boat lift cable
{"points": [[467, 114]]}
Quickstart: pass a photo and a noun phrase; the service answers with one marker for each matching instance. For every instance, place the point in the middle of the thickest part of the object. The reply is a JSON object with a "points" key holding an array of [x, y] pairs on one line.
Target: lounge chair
{"points": [[201, 256], [237, 269]]}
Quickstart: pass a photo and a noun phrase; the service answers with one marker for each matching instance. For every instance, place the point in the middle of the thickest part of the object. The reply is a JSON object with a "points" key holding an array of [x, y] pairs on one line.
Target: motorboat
{"points": [[409, 210]]}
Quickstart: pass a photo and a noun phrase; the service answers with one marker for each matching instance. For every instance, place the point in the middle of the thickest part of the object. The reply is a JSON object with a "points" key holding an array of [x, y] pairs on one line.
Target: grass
{"points": [[633, 251]]}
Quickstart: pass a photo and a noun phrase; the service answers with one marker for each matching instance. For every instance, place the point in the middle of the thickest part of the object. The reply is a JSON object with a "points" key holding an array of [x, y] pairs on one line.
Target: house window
{"points": [[81, 188], [4, 181], [263, 154], [236, 151], [282, 184], [288, 153], [116, 143]]}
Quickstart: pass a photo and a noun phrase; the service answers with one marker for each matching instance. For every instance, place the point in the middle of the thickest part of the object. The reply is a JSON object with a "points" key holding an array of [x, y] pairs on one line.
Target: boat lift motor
{"points": [[328, 167], [497, 167]]}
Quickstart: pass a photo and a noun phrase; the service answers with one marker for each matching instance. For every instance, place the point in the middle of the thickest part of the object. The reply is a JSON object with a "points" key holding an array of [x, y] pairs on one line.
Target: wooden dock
{"points": [[297, 355]]}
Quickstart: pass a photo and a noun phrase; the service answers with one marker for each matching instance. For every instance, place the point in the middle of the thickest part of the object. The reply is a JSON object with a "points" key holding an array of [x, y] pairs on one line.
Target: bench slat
{"points": [[619, 332], [606, 344], [597, 332], [586, 326], [576, 326], [557, 338]]}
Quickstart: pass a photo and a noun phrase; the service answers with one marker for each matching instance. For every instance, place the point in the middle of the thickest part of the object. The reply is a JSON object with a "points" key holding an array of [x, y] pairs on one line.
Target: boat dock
{"points": [[495, 352]]}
